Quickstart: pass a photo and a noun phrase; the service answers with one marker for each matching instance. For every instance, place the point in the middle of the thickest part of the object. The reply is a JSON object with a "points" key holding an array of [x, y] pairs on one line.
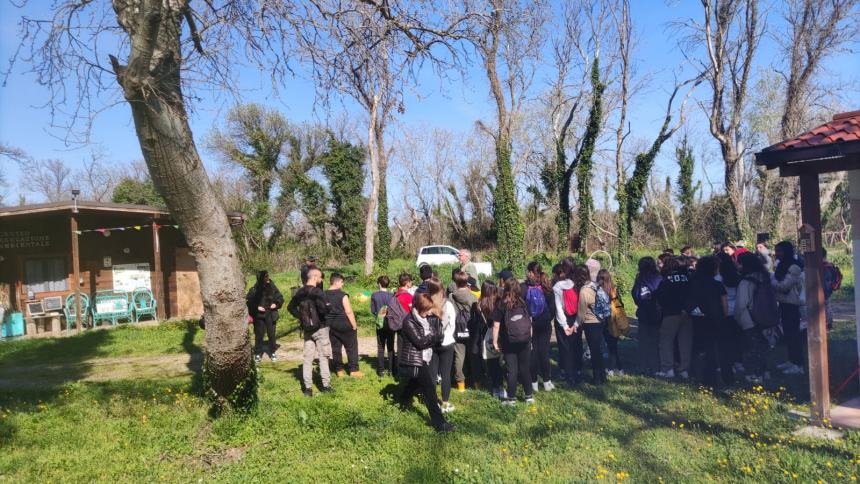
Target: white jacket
{"points": [[449, 323], [557, 291]]}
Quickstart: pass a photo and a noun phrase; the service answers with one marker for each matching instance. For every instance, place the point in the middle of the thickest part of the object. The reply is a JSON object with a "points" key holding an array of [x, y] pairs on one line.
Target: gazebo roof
{"points": [[833, 146]]}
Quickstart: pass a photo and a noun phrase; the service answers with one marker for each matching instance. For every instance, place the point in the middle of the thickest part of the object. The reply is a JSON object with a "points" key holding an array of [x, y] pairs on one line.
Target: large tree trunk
{"points": [[736, 201], [383, 231], [151, 85], [563, 184], [373, 200]]}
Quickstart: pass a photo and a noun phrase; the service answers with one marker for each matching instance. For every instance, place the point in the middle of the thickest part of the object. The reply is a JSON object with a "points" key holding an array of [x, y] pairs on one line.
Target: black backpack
{"points": [[394, 315], [461, 324], [518, 325], [309, 317]]}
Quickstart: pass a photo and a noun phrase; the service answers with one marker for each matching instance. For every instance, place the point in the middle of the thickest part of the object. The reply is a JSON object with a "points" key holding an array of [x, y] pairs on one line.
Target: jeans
{"points": [[385, 340], [348, 340], [613, 361], [316, 342], [425, 383], [459, 362], [263, 326], [676, 327], [594, 337], [441, 364], [789, 315], [517, 356], [540, 365], [649, 347]]}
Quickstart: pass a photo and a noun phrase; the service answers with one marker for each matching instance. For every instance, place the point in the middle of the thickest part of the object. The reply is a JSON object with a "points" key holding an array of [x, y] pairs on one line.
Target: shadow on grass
{"points": [[195, 360]]}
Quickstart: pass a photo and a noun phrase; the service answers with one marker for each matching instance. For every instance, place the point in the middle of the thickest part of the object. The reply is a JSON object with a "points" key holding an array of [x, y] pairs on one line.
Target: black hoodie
{"points": [[264, 294]]}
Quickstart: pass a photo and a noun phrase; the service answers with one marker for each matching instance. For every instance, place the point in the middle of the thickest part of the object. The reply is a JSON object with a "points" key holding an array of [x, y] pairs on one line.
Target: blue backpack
{"points": [[602, 309], [535, 300]]}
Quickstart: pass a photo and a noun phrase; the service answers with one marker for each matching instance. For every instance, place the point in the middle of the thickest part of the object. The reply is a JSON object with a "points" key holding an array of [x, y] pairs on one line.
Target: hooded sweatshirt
{"points": [[558, 289], [449, 323], [426, 354], [644, 295]]}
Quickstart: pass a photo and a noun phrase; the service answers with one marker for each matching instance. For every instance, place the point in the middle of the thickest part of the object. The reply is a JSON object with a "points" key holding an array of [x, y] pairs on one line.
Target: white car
{"points": [[435, 255]]}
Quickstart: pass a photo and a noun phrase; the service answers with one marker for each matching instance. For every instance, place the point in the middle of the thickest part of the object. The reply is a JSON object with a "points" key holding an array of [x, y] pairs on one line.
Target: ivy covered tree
{"points": [[382, 248], [685, 190], [584, 161], [343, 166], [137, 192], [253, 138]]}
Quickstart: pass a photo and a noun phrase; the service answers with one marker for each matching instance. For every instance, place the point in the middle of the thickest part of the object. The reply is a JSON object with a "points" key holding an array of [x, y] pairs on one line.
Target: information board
{"points": [[128, 277]]}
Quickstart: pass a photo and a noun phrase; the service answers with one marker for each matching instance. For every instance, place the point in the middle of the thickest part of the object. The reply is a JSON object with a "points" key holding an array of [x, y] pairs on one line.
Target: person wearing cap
{"points": [[466, 264], [311, 263], [504, 275]]}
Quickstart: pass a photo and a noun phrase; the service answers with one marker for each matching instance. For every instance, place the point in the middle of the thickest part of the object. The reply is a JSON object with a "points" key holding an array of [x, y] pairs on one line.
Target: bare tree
{"points": [[11, 153], [371, 52], [508, 36], [97, 179], [50, 179], [162, 50], [730, 33], [816, 30]]}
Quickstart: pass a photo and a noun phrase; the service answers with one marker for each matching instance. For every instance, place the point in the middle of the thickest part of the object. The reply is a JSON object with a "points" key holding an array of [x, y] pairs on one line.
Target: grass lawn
{"points": [[634, 428]]}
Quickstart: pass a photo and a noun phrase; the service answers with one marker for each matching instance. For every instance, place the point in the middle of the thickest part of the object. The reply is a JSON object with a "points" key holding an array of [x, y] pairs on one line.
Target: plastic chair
{"points": [[71, 313], [144, 304], [114, 304]]}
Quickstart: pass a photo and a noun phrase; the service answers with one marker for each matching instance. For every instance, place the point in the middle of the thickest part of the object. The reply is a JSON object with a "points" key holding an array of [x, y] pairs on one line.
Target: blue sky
{"points": [[25, 124]]}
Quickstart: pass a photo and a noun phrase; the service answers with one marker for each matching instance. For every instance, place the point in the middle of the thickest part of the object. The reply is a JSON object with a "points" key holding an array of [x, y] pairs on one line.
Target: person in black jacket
{"points": [[710, 297], [420, 332], [673, 295], [538, 290], [309, 306], [264, 300]]}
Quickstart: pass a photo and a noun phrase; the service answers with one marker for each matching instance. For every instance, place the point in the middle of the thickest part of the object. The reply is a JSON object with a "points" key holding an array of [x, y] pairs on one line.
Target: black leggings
{"points": [[789, 314], [425, 383], [494, 372], [263, 326], [517, 356], [385, 340], [540, 365], [594, 336], [441, 364]]}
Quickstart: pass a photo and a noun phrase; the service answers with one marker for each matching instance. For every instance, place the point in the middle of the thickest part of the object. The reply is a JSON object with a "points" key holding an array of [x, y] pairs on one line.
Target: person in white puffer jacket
{"points": [[443, 355], [788, 283]]}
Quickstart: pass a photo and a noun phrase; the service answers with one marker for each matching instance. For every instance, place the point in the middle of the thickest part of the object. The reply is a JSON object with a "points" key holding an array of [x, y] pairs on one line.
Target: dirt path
{"points": [[135, 367]]}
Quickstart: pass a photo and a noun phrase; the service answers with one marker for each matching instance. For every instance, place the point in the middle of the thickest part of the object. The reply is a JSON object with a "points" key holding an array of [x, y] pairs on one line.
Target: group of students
{"points": [[496, 336], [722, 313]]}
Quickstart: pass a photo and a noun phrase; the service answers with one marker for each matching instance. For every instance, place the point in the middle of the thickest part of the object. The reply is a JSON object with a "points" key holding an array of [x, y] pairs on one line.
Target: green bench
{"points": [[110, 305]]}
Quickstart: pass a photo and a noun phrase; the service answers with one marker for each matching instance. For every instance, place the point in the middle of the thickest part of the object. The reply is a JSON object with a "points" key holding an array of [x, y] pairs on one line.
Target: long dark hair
{"points": [[788, 258], [513, 294], [536, 276], [728, 270], [671, 265], [751, 264], [604, 280], [558, 273], [489, 299], [580, 276], [647, 267], [706, 268]]}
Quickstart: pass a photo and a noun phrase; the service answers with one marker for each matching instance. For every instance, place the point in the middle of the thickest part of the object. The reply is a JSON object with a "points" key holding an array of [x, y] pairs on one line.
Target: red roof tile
{"points": [[843, 127]]}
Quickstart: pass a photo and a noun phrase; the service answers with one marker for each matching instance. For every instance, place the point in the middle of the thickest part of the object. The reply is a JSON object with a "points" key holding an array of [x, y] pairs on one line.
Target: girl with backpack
{"points": [[648, 313], [492, 358], [788, 282], [753, 275], [539, 300], [566, 299], [512, 328], [591, 303], [604, 283], [418, 336], [443, 353]]}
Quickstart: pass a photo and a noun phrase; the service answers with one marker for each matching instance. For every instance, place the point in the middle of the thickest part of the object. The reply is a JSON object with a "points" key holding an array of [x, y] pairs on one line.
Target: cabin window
{"points": [[47, 274]]}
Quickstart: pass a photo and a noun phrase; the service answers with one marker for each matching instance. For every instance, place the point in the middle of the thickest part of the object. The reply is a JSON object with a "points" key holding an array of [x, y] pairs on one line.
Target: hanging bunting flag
{"points": [[137, 227], [78, 232], [176, 226]]}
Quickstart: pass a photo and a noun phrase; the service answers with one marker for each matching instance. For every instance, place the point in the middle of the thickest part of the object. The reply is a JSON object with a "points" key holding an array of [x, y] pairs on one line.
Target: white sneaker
{"points": [[258, 358], [535, 386], [753, 379], [509, 402], [739, 368], [503, 394], [610, 373], [684, 375], [530, 400], [668, 374], [793, 370], [548, 386], [784, 365], [447, 407], [619, 373], [273, 358]]}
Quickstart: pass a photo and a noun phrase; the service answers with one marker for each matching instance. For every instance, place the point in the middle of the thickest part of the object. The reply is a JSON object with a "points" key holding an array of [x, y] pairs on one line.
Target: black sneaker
{"points": [[327, 390], [308, 392], [446, 427]]}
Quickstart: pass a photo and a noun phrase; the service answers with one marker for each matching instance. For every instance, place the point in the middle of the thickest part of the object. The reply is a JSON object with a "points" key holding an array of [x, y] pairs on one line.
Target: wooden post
{"points": [[76, 270], [157, 289], [854, 202], [819, 378]]}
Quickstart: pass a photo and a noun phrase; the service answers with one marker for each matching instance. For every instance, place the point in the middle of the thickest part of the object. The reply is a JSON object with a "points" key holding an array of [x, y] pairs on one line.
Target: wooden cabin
{"points": [[52, 249]]}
